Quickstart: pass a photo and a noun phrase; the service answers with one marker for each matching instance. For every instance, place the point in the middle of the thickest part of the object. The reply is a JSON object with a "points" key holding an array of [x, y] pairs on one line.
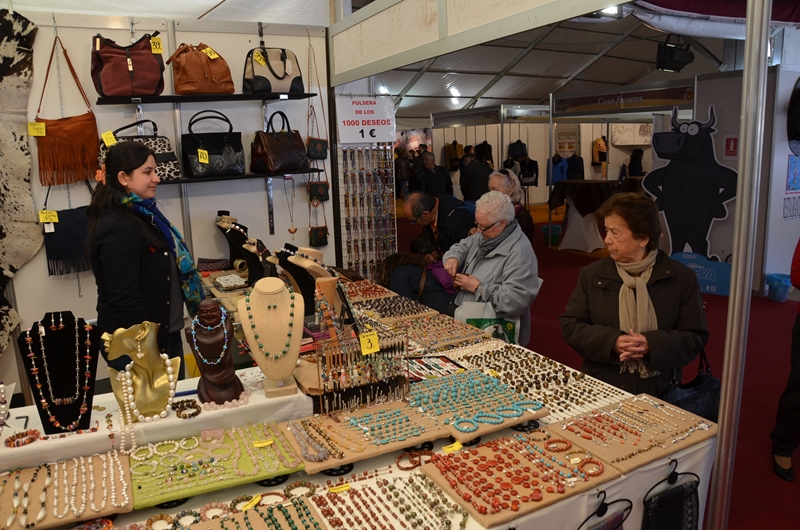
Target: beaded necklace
{"points": [[255, 330], [306, 256], [196, 323], [61, 401], [68, 400], [23, 520], [3, 409]]}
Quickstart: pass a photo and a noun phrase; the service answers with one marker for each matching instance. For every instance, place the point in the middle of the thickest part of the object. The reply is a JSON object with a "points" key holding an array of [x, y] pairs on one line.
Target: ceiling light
{"points": [[383, 90], [672, 56], [454, 91], [454, 100], [610, 10]]}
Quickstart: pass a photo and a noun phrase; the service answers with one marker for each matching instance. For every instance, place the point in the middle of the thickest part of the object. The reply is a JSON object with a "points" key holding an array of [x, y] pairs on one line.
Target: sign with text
{"points": [[638, 100], [731, 146], [714, 277], [365, 119]]}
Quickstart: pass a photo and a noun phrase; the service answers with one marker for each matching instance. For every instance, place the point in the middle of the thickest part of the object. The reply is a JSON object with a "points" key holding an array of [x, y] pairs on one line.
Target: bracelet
{"points": [[184, 442], [415, 458], [151, 466], [237, 500], [150, 450], [553, 445], [546, 435], [575, 461], [472, 428], [594, 472], [214, 447], [23, 438], [214, 506], [174, 460], [160, 517], [183, 407], [300, 484], [174, 448], [178, 525], [278, 494], [188, 456]]}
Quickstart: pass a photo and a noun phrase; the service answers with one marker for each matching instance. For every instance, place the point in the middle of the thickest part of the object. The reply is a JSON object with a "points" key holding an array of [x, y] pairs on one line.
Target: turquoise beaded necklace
{"points": [[255, 331]]}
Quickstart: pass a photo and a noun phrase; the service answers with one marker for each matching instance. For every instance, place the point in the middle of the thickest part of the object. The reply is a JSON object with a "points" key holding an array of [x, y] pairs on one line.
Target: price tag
{"points": [[211, 53], [155, 45], [369, 342], [263, 443], [339, 489], [460, 371], [257, 57], [202, 156], [252, 503], [36, 128], [49, 228], [452, 448], [48, 216], [108, 138], [494, 374]]}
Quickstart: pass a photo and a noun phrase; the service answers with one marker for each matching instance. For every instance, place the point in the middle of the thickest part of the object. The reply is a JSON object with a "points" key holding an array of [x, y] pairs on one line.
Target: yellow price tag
{"points": [[494, 374], [48, 216], [339, 489], [36, 128], [452, 448], [252, 503], [155, 45], [202, 156], [460, 371], [211, 53], [108, 138], [263, 443], [257, 57], [369, 342]]}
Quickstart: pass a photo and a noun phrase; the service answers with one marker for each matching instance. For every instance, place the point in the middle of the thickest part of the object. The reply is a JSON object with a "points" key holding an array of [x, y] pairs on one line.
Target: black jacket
{"points": [[474, 180], [454, 221], [133, 278], [590, 324], [436, 182]]}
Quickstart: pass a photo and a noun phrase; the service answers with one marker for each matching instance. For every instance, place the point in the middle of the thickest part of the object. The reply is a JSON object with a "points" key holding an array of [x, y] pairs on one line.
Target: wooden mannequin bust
{"points": [[272, 322], [210, 335]]}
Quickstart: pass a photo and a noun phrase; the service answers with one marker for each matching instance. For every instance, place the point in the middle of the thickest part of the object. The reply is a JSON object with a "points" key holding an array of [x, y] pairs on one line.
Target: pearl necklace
{"points": [[61, 401], [15, 500], [3, 408], [57, 515], [255, 331], [196, 323], [77, 512], [116, 461], [306, 256]]}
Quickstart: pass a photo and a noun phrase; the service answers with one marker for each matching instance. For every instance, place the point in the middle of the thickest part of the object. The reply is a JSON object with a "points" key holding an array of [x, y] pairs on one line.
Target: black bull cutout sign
{"points": [[693, 187]]}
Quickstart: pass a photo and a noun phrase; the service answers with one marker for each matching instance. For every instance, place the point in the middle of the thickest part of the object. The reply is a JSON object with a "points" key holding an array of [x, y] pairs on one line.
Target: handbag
{"points": [[126, 71], [271, 70], [225, 154], [68, 150], [699, 396], [318, 191], [278, 151], [317, 235], [200, 70], [65, 243], [483, 316], [676, 507], [167, 165], [316, 148]]}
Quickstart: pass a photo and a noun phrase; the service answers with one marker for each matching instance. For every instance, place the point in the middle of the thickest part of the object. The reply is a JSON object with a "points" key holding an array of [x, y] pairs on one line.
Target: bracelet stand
{"points": [[269, 317], [61, 354]]}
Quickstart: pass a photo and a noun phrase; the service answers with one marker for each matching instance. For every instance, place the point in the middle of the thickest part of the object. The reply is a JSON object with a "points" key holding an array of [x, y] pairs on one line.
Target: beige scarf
{"points": [[636, 310]]}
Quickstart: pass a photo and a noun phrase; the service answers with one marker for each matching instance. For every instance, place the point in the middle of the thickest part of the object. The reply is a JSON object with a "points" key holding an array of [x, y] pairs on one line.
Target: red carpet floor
{"points": [[759, 498]]}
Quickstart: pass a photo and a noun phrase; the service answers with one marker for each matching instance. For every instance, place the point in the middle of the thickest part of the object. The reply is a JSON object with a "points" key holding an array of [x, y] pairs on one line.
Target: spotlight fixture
{"points": [[672, 56], [383, 90]]}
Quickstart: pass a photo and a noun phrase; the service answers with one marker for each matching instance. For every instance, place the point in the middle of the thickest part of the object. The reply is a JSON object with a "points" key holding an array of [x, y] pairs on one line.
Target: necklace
{"points": [[290, 204], [15, 500], [3, 408], [61, 401], [67, 400], [132, 401], [23, 520], [255, 331], [56, 513], [221, 323], [306, 256]]}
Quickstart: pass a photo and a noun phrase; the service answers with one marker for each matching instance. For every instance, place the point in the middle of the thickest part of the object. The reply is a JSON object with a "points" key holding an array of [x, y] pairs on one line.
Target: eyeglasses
{"points": [[485, 228], [413, 220]]}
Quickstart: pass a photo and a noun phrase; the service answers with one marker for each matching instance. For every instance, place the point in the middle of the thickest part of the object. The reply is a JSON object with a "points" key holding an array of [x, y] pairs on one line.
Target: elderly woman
{"points": [[497, 264], [637, 315], [505, 181]]}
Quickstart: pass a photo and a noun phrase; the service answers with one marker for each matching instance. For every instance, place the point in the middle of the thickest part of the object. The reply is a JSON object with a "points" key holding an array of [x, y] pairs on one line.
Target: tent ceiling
{"points": [[563, 53]]}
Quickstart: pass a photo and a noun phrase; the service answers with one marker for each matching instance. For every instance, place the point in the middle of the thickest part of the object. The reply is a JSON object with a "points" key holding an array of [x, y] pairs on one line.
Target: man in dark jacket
{"points": [[402, 170], [432, 179], [475, 179], [445, 216]]}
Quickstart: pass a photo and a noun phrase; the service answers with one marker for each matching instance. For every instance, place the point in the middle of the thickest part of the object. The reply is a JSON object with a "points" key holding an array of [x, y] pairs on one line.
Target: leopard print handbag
{"points": [[167, 165]]}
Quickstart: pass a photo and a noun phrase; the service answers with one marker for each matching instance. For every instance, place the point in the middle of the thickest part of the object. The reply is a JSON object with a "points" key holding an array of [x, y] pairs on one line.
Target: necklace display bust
{"points": [[272, 322], [210, 335]]}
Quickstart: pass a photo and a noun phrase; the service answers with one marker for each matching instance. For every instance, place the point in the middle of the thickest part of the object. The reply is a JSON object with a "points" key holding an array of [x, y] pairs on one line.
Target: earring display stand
{"points": [[368, 219], [272, 323]]}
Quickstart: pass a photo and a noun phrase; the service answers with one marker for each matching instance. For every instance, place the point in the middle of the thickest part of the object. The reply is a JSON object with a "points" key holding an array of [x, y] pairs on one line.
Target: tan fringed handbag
{"points": [[68, 150]]}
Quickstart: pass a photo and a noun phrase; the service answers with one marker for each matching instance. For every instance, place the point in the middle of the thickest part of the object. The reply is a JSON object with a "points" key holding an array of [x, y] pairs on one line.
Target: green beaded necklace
{"points": [[255, 331]]}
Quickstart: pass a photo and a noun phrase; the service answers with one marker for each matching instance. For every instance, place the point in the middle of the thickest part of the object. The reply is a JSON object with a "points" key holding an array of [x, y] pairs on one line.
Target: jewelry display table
{"points": [[73, 445]]}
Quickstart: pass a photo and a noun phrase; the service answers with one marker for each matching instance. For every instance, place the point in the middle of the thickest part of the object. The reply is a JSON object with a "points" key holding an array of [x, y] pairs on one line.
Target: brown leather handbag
{"points": [[278, 151], [126, 70], [68, 150], [200, 70]]}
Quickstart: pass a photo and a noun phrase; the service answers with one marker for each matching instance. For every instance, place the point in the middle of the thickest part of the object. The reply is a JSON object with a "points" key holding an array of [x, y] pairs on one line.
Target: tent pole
{"points": [[751, 134]]}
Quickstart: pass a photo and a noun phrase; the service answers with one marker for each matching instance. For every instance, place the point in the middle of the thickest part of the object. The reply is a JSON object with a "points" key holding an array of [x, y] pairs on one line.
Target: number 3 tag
{"points": [[369, 342]]}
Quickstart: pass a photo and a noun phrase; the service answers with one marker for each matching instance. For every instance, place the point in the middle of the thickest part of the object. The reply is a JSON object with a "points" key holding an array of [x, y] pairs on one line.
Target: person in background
{"points": [[505, 181], [636, 315], [474, 181], [445, 217], [416, 164], [496, 265], [635, 163], [425, 245], [402, 170], [468, 157], [786, 436], [141, 265], [431, 178]]}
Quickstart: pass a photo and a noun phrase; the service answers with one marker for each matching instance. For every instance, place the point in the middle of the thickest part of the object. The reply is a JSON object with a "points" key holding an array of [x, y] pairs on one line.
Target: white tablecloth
{"points": [[258, 409], [581, 232]]}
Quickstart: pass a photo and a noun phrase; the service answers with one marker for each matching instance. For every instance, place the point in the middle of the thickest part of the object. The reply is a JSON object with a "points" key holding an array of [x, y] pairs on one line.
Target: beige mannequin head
{"points": [[275, 315]]}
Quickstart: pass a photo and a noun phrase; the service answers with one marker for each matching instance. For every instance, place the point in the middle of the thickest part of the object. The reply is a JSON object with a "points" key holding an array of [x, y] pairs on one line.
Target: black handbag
{"points": [[675, 508], [167, 165], [212, 154], [65, 240], [699, 396]]}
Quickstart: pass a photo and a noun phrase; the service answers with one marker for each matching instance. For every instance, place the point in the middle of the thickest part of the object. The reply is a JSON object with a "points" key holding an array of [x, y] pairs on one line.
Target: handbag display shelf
{"points": [[549, 498], [169, 428], [200, 98]]}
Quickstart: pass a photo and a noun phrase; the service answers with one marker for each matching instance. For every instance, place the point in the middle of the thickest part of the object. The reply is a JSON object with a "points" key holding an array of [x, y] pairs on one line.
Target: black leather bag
{"points": [[224, 149], [699, 396], [677, 507]]}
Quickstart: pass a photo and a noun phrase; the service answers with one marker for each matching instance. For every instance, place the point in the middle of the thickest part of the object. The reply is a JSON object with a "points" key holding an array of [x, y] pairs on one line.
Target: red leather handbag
{"points": [[126, 71]]}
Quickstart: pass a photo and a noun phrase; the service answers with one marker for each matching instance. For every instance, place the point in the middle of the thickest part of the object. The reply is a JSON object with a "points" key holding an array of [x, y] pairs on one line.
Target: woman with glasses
{"points": [[497, 264], [505, 181]]}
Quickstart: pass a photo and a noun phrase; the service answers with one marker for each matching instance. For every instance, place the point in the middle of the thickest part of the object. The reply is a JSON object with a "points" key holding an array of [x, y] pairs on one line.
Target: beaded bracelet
{"points": [[266, 494], [486, 417], [457, 424], [185, 441], [300, 484], [151, 466], [173, 449], [178, 525], [240, 499], [412, 455], [183, 407], [160, 517], [574, 461], [174, 460], [214, 506], [554, 445], [23, 438], [593, 472], [215, 446]]}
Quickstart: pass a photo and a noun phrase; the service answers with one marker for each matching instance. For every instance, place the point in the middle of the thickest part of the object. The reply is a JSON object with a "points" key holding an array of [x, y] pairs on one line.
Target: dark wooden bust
{"points": [[206, 335]]}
